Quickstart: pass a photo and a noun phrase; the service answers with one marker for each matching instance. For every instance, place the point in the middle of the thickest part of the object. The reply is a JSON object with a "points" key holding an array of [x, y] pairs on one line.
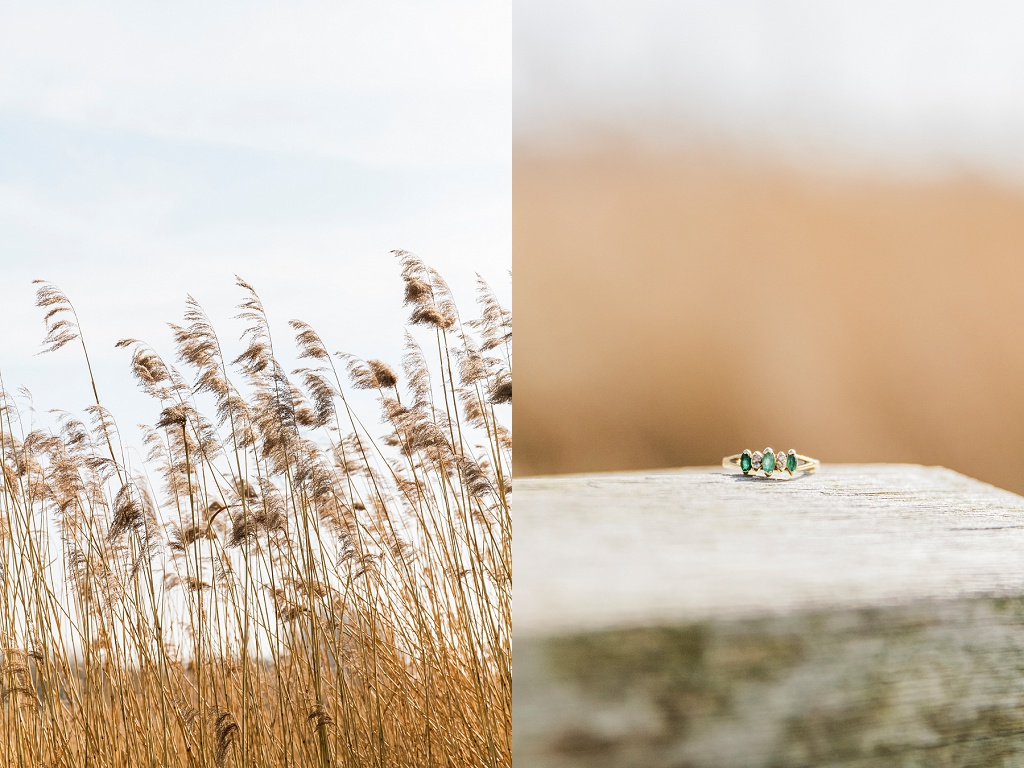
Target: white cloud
{"points": [[391, 83]]}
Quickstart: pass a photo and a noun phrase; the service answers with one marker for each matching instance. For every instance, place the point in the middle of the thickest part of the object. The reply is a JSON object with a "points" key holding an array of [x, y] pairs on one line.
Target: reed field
{"points": [[285, 579]]}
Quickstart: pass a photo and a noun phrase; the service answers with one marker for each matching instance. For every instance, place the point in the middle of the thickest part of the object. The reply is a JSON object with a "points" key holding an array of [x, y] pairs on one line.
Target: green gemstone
{"points": [[768, 462], [791, 462], [745, 462]]}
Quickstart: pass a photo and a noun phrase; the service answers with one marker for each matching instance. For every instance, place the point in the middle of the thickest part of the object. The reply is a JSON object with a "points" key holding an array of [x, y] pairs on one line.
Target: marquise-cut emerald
{"points": [[745, 462], [791, 463], [768, 462]]}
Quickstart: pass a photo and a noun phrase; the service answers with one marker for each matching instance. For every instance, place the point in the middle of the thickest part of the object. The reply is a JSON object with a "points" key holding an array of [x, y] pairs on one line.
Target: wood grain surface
{"points": [[866, 615]]}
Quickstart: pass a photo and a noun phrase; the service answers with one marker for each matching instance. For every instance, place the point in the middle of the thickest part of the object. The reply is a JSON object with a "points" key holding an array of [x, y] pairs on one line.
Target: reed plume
{"points": [[282, 579]]}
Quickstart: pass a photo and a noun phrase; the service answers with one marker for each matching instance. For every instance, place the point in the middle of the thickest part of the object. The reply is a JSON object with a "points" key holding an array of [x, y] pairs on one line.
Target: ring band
{"points": [[769, 462]]}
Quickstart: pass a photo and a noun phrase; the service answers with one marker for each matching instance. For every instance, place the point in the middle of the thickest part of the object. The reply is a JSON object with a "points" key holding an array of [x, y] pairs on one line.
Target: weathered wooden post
{"points": [[863, 616]]}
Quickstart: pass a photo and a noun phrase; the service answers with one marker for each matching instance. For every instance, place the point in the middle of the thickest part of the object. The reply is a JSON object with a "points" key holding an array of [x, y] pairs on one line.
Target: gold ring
{"points": [[770, 461]]}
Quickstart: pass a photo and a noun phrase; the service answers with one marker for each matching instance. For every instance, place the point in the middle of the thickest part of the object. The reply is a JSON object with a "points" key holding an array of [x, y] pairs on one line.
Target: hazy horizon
{"points": [[912, 87]]}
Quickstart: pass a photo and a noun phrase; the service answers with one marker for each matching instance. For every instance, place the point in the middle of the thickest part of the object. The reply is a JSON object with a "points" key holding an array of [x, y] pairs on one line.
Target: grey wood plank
{"points": [[606, 550], [866, 616]]}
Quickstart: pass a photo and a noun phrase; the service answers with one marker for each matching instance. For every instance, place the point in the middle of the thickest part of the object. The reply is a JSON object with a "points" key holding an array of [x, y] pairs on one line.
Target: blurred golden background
{"points": [[783, 223], [677, 305]]}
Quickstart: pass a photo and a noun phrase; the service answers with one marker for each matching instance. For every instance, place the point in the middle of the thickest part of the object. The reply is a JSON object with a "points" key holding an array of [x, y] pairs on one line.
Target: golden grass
{"points": [[274, 585]]}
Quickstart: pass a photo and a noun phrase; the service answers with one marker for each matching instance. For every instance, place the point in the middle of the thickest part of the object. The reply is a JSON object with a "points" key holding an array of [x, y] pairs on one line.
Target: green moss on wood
{"points": [[932, 684]]}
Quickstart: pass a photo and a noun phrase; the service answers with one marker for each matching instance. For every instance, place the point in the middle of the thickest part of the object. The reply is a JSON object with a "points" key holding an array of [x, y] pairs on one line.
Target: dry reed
{"points": [[275, 585]]}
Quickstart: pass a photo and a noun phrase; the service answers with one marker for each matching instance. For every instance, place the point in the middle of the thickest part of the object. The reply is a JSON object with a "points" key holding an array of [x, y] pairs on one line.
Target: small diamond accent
{"points": [[755, 461]]}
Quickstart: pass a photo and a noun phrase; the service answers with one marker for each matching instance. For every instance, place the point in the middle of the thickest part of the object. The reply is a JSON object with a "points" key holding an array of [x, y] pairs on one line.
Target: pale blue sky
{"points": [[151, 151]]}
